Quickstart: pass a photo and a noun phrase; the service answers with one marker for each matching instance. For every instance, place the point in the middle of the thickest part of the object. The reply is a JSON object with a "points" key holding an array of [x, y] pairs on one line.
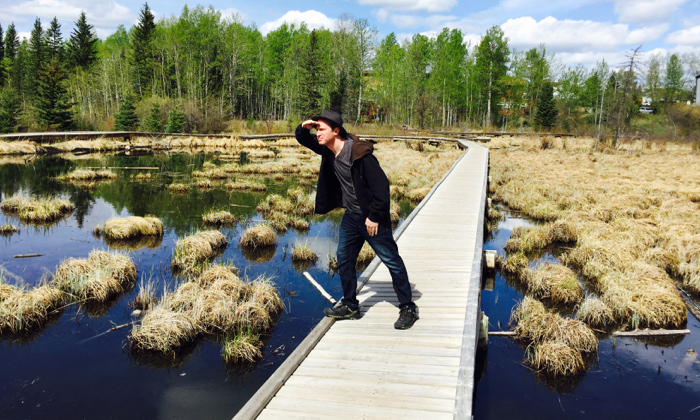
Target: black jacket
{"points": [[368, 178]]}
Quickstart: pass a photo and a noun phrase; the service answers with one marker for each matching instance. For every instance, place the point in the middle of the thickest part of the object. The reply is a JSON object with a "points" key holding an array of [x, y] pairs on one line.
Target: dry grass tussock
{"points": [[37, 210], [218, 218], [217, 304], [303, 253], [121, 228], [100, 277], [97, 145], [555, 283], [536, 327], [634, 213], [8, 229], [86, 175], [595, 313], [179, 188], [192, 252], [258, 236], [25, 311], [17, 148]]}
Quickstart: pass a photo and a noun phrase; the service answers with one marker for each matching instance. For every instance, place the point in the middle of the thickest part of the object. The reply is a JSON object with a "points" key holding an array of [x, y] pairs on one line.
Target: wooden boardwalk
{"points": [[365, 369]]}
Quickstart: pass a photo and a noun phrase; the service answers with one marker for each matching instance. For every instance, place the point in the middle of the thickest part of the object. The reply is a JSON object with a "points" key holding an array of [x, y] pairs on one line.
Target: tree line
{"points": [[197, 71]]}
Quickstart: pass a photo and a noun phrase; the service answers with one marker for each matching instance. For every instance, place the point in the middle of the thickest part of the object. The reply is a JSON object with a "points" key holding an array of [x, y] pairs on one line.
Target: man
{"points": [[350, 177]]}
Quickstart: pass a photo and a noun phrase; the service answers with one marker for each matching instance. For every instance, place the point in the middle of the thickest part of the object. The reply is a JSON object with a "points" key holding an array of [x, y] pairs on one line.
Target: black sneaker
{"points": [[343, 311], [408, 315]]}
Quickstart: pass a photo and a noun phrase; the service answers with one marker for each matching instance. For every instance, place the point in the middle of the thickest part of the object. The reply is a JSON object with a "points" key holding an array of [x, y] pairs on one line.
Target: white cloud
{"points": [[312, 19], [646, 11], [104, 15], [689, 37], [575, 36], [430, 6]]}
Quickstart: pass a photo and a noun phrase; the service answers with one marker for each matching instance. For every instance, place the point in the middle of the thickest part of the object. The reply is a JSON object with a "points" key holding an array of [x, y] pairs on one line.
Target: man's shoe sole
{"points": [[354, 315]]}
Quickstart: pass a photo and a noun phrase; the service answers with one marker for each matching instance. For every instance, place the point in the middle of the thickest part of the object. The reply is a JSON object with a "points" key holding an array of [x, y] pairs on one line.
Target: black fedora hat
{"points": [[334, 118]]}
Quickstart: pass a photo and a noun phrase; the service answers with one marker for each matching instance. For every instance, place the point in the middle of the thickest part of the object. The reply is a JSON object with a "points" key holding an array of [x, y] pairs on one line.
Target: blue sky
{"points": [[576, 31]]}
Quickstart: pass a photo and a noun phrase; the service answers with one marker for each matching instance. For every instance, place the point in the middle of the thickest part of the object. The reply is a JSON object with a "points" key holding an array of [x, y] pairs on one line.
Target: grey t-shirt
{"points": [[342, 165]]}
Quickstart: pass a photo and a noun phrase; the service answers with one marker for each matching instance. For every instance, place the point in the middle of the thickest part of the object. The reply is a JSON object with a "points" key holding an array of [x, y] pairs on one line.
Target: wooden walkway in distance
{"points": [[365, 369]]}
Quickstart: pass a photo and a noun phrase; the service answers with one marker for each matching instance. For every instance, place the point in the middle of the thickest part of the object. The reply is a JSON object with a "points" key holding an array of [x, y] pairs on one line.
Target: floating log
{"points": [[28, 255], [649, 333], [319, 288], [635, 333], [502, 333]]}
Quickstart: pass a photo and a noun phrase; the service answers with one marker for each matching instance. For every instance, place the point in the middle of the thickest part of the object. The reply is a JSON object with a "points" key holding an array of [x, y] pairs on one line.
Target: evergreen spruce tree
{"points": [[153, 122], [176, 121], [36, 58], [142, 57], [11, 42], [82, 46], [54, 41], [52, 104], [310, 100], [546, 116], [126, 119], [9, 110]]}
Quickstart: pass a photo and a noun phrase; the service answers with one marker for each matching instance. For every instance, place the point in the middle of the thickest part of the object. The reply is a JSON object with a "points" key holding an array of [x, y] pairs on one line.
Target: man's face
{"points": [[325, 133]]}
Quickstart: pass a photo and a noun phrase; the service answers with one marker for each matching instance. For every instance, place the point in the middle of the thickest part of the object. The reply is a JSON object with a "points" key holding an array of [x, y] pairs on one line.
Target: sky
{"points": [[575, 31]]}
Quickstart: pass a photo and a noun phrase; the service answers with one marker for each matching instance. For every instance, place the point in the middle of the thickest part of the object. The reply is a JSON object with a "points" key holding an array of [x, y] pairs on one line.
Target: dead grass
{"points": [[631, 212], [218, 218], [25, 311], [192, 252], [366, 255], [99, 277], [556, 359], [258, 236], [302, 253], [121, 228], [17, 148], [245, 346], [215, 304], [595, 313], [37, 210], [179, 188], [8, 229], [87, 175], [556, 283], [246, 185]]}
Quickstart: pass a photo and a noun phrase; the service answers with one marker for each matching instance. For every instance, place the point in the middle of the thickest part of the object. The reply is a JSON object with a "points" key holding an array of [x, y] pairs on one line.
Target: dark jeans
{"points": [[353, 234]]}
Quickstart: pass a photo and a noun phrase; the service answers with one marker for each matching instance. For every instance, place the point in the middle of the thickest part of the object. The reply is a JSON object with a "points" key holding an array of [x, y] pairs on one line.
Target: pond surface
{"points": [[73, 369], [632, 378]]}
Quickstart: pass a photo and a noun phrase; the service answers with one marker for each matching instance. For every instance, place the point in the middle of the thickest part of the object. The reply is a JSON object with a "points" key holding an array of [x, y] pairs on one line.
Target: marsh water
{"points": [[74, 368], [631, 379]]}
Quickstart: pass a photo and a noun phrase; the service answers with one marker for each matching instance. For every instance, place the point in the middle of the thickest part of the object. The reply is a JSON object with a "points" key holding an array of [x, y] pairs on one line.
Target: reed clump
{"points": [[100, 277], [219, 218], [366, 255], [192, 252], [556, 283], [37, 210], [537, 327], [8, 229], [595, 313], [122, 228], [215, 304], [179, 188], [258, 237], [86, 175], [23, 311]]}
